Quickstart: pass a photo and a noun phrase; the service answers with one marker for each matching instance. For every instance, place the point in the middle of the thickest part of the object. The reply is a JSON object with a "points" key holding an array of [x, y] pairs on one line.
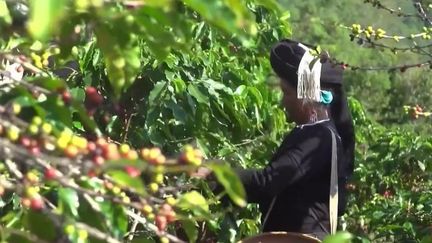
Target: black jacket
{"points": [[299, 175]]}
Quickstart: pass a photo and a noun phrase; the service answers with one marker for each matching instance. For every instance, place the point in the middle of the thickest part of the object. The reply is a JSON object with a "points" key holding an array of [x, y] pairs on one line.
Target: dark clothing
{"points": [[299, 175]]}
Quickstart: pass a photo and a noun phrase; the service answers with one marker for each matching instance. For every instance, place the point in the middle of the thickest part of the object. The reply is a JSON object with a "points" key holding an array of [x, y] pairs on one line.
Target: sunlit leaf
{"points": [[68, 201], [123, 179], [230, 181], [340, 237], [195, 202], [40, 225], [45, 16], [191, 230]]}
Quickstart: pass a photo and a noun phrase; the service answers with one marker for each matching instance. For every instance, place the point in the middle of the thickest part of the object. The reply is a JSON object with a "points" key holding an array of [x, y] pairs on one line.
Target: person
{"points": [[294, 191]]}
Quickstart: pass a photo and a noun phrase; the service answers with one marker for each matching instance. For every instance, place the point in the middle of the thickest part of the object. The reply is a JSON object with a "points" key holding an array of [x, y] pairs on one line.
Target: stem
{"points": [[96, 233], [127, 127], [131, 232], [25, 64]]}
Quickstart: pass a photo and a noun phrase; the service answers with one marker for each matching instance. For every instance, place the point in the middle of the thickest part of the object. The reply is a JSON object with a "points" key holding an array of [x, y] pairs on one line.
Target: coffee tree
{"points": [[99, 99], [389, 200], [108, 107]]}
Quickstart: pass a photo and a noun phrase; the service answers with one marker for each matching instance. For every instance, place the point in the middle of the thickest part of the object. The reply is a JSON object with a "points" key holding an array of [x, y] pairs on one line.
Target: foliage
{"points": [[153, 73], [92, 89], [377, 71], [389, 199]]}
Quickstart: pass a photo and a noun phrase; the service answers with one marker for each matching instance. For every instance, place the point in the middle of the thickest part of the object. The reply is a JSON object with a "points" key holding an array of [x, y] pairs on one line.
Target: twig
{"points": [[25, 64], [393, 48], [96, 233], [127, 127], [398, 11], [384, 36], [20, 152], [12, 167], [24, 83], [421, 13], [132, 230], [402, 68]]}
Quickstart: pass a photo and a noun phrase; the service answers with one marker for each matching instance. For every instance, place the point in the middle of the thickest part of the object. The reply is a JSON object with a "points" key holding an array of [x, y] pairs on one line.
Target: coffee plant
{"points": [[109, 107]]}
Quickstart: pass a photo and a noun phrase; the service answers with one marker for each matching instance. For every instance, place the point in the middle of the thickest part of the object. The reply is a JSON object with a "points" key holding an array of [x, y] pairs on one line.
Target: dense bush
{"points": [[93, 136]]}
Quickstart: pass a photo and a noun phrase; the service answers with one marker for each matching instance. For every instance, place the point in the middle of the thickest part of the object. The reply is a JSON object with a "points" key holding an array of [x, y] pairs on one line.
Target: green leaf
{"points": [[45, 16], [86, 121], [230, 182], [51, 84], [116, 216], [273, 5], [378, 214], [123, 179], [179, 85], [40, 224], [191, 230], [4, 13], [17, 238], [426, 239], [156, 92], [57, 111], [178, 111], [340, 237], [193, 201], [88, 214], [257, 95], [421, 165], [78, 94], [197, 94], [121, 54], [68, 201], [158, 3]]}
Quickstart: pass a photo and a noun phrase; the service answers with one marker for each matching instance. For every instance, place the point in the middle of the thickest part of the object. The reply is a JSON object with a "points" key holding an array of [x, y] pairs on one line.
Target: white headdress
{"points": [[309, 75]]}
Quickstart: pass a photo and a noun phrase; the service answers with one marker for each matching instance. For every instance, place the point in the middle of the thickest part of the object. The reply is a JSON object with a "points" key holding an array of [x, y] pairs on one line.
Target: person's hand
{"points": [[202, 173]]}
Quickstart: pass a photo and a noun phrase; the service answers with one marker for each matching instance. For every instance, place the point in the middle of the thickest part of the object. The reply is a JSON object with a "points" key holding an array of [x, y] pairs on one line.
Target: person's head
{"points": [[288, 58], [300, 111], [300, 75]]}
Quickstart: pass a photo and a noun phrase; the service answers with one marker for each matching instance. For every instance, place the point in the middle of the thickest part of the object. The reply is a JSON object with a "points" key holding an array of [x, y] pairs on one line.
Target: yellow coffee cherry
{"points": [[124, 148], [69, 229], [126, 199], [164, 239], [159, 169], [145, 152], [171, 201], [47, 128], [16, 108], [154, 187], [151, 216], [32, 192], [62, 142], [158, 178], [116, 190], [37, 120], [147, 209], [82, 234], [13, 133], [33, 129], [79, 142], [32, 177]]}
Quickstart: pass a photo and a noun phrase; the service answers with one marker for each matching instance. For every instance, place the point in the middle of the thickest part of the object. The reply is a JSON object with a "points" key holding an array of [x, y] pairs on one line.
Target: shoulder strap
{"points": [[268, 213], [334, 190]]}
